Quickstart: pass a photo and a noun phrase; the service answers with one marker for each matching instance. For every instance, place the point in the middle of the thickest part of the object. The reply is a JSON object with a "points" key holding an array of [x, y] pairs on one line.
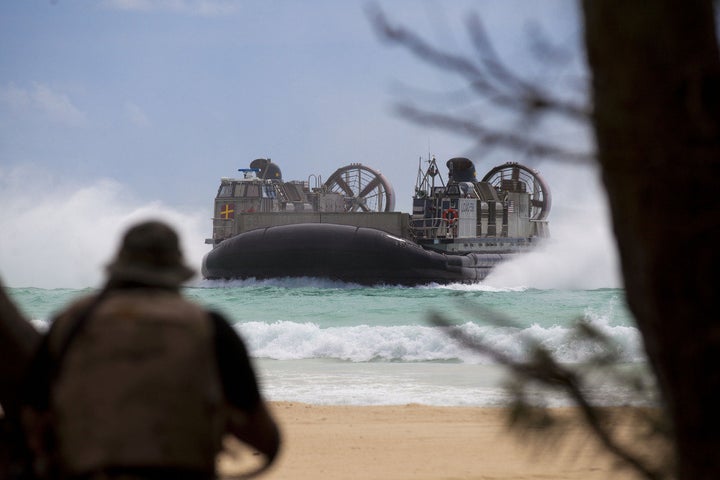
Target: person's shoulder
{"points": [[62, 321], [74, 308]]}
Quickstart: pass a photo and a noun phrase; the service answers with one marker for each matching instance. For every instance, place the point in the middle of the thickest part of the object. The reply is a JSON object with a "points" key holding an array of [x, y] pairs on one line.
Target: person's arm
{"points": [[258, 429], [250, 419]]}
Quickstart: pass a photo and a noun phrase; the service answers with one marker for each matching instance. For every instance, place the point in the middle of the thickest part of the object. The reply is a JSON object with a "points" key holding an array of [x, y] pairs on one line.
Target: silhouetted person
{"points": [[138, 382]]}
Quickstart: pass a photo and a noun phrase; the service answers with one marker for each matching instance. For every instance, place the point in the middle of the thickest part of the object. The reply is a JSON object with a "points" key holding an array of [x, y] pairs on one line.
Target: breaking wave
{"points": [[286, 340]]}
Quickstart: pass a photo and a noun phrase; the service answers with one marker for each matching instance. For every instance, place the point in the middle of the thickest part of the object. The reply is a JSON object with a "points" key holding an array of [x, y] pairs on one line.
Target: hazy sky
{"points": [[114, 109]]}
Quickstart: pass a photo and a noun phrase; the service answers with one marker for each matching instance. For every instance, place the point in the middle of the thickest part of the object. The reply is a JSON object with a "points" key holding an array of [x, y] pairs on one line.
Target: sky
{"points": [[113, 111]]}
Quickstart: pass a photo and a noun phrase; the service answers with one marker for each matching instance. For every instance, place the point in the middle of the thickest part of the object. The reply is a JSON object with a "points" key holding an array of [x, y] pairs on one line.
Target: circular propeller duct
{"points": [[364, 189], [540, 199]]}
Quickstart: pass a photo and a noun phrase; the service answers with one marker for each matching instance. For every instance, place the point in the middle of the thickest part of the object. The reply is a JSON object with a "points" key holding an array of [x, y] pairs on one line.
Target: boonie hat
{"points": [[150, 254]]}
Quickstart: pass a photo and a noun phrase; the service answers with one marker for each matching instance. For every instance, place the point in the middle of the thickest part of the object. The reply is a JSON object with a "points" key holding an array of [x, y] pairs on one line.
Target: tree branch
{"points": [[490, 78], [545, 369], [495, 138]]}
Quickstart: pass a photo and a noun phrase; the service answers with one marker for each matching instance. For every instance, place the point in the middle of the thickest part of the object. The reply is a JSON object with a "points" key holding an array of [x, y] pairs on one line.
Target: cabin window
{"points": [[225, 191], [252, 191], [240, 190]]}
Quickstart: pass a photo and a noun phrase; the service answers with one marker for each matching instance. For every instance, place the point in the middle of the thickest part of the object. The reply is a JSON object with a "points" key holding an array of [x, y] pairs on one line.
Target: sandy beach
{"points": [[422, 442]]}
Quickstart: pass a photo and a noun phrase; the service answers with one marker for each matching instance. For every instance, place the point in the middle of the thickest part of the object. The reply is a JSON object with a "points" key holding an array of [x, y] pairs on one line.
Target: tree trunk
{"points": [[656, 94]]}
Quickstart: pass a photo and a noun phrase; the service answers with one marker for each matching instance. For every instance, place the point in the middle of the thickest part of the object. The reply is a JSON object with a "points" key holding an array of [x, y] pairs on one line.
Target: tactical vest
{"points": [[139, 386]]}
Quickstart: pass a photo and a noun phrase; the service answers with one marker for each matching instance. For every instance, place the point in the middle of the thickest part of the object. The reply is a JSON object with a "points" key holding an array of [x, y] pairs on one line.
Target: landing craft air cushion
{"points": [[345, 228]]}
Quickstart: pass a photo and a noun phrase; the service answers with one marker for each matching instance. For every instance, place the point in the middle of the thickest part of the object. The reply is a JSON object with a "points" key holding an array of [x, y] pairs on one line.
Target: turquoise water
{"points": [[335, 343]]}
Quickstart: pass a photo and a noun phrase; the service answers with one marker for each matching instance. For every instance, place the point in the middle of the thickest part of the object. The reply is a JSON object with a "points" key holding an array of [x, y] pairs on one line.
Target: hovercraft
{"points": [[345, 228]]}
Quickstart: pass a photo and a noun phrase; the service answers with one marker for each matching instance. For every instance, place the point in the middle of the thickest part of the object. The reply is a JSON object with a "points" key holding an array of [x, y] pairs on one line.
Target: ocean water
{"points": [[335, 343]]}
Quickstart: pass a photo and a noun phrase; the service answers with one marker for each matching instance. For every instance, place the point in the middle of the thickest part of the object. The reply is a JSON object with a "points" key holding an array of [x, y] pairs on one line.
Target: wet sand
{"points": [[422, 442]]}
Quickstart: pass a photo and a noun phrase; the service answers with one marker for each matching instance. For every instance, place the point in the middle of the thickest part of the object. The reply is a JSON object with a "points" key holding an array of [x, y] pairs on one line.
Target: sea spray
{"points": [[58, 234]]}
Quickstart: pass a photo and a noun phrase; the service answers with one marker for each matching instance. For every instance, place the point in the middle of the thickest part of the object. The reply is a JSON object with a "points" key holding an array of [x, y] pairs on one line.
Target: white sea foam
{"points": [[287, 340], [377, 383], [389, 384], [478, 287]]}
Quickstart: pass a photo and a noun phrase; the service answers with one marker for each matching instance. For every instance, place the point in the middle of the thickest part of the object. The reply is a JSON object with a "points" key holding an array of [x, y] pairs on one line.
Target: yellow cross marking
{"points": [[225, 213]]}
